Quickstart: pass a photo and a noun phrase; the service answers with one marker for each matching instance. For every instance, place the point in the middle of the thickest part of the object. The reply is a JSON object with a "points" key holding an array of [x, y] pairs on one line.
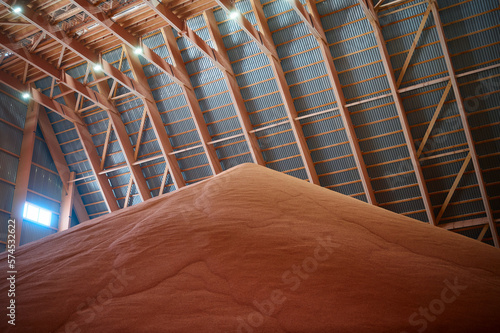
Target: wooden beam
{"points": [[183, 30], [24, 167], [106, 144], [92, 157], [130, 40], [60, 162], [192, 103], [413, 46], [465, 122], [156, 122], [125, 145], [38, 19], [163, 180], [453, 187], [434, 119], [67, 199], [314, 24], [265, 42], [129, 190], [483, 232], [139, 135], [384, 54], [234, 91]]}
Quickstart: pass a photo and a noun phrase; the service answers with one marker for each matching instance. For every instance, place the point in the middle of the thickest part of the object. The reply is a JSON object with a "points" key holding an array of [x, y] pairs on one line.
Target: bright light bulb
{"points": [[138, 50], [17, 9], [26, 95], [234, 14], [97, 68]]}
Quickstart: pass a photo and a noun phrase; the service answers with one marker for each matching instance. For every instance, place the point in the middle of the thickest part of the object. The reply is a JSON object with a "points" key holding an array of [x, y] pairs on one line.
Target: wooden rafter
{"points": [[234, 91], [465, 122], [384, 54], [38, 20], [156, 122], [265, 42], [192, 103], [60, 163], [123, 139], [92, 157], [313, 22], [24, 167]]}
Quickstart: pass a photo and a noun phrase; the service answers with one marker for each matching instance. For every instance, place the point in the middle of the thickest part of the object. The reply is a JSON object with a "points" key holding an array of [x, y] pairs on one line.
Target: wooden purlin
{"points": [[234, 91], [384, 54], [313, 22], [465, 123]]}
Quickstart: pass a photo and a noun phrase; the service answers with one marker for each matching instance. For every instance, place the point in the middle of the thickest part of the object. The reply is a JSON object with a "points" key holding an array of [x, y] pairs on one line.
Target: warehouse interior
{"points": [[107, 104]]}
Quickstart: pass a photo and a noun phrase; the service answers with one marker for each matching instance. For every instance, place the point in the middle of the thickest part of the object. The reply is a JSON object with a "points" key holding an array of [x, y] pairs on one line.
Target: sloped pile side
{"points": [[253, 250]]}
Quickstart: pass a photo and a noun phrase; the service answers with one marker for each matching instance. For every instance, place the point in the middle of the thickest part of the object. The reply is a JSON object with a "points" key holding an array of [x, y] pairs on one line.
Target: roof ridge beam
{"points": [[465, 122], [377, 31], [313, 22]]}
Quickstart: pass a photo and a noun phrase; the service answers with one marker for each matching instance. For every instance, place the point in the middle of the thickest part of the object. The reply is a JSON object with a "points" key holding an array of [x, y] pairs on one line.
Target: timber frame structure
{"points": [[392, 102]]}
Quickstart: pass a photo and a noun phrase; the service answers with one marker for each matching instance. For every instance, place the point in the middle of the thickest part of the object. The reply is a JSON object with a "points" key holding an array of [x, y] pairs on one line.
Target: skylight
{"points": [[37, 214]]}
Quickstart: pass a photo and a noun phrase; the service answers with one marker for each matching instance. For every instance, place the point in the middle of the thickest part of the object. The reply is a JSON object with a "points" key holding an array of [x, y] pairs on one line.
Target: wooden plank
{"points": [[483, 232], [67, 199], [106, 144], [129, 190], [453, 187], [433, 120], [413, 46]]}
